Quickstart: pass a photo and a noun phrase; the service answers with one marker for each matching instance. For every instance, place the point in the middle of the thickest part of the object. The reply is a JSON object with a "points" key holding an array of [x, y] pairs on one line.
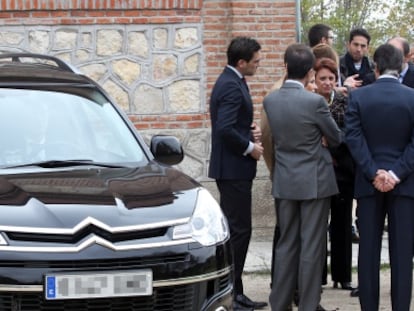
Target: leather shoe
{"points": [[239, 307], [245, 301], [320, 308], [344, 285], [355, 235], [296, 298], [355, 292]]}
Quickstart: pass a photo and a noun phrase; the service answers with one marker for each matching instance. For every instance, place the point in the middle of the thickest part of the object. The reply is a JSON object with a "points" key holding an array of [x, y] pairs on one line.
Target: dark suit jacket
{"points": [[347, 68], [379, 125], [408, 79], [231, 112]]}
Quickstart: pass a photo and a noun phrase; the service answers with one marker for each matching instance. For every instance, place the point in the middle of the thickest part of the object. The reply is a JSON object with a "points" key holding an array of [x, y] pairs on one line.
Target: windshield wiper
{"points": [[66, 163]]}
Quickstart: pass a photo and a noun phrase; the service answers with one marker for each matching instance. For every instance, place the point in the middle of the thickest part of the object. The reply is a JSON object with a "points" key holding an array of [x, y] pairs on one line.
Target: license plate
{"points": [[98, 285]]}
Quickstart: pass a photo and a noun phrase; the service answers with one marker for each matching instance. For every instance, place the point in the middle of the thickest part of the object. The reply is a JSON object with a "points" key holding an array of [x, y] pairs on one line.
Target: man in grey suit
{"points": [[303, 181]]}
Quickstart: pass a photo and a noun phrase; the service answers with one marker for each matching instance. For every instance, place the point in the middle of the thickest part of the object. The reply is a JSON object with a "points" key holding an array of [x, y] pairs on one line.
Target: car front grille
{"points": [[183, 297], [127, 263], [174, 298], [78, 236]]}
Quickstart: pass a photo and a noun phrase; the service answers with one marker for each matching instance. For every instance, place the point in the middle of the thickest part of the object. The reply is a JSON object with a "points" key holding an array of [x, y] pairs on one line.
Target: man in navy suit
{"points": [[379, 132], [235, 150], [407, 72]]}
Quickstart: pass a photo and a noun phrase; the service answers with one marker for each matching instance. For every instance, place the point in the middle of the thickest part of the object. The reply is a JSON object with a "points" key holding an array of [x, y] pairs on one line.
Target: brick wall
{"points": [[55, 5], [75, 12], [272, 23], [47, 25]]}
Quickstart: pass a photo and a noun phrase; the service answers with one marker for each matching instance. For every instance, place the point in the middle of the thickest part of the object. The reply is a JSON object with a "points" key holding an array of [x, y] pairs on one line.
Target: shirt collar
{"points": [[295, 81], [236, 71], [404, 71], [387, 76]]}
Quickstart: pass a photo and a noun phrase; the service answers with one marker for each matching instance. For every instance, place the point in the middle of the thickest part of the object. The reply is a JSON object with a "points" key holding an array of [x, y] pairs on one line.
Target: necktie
{"points": [[245, 83]]}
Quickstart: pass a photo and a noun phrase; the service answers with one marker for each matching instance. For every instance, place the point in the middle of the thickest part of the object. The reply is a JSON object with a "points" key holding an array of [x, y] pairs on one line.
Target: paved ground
{"points": [[260, 253], [258, 263], [257, 279], [257, 287]]}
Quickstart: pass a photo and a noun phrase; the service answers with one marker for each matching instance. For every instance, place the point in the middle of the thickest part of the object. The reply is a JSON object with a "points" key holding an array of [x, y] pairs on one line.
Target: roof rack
{"points": [[62, 65]]}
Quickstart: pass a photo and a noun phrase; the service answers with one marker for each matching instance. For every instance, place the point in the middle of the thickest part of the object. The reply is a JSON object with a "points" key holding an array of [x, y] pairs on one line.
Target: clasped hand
{"points": [[383, 181]]}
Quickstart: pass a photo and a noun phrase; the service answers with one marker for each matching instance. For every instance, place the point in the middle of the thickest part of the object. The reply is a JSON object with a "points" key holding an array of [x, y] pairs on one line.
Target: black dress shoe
{"points": [[355, 292], [320, 308], [239, 307], [355, 235], [296, 298], [344, 285], [247, 302]]}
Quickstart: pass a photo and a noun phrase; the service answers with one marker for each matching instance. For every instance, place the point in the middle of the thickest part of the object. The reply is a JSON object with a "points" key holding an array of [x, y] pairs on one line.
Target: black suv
{"points": [[90, 217]]}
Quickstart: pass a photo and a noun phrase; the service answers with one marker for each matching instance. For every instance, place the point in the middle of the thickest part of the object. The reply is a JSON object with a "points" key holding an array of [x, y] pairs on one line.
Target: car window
{"points": [[43, 125]]}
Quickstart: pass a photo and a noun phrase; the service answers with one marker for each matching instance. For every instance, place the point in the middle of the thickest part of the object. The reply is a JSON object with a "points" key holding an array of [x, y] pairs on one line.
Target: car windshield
{"points": [[38, 126]]}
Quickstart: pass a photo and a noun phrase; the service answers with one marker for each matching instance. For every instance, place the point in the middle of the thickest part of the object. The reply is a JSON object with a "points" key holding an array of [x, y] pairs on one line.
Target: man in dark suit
{"points": [[355, 63], [235, 150], [379, 132], [303, 181], [356, 70], [407, 73]]}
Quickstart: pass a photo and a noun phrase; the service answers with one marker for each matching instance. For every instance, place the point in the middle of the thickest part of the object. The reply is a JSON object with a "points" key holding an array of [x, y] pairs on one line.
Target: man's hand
{"points": [[256, 132], [383, 181], [324, 142], [342, 89], [257, 151], [353, 81]]}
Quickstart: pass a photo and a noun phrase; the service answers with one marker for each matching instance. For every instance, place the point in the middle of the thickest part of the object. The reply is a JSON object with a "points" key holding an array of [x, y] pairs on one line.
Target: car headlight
{"points": [[208, 226]]}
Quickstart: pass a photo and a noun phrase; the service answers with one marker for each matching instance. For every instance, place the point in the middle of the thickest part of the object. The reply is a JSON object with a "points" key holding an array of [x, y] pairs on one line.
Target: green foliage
{"points": [[383, 19]]}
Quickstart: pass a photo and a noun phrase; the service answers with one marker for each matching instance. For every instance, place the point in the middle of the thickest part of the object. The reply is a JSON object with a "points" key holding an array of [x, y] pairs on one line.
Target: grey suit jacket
{"points": [[298, 120]]}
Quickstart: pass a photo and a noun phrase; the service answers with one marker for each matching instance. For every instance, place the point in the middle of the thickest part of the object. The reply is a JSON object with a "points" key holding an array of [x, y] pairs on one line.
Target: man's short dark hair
{"points": [[317, 32], [359, 32], [241, 48], [388, 59], [299, 59], [405, 44]]}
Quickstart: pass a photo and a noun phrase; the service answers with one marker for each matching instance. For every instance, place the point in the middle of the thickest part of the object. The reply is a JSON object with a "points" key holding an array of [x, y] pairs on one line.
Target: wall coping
{"points": [[56, 5]]}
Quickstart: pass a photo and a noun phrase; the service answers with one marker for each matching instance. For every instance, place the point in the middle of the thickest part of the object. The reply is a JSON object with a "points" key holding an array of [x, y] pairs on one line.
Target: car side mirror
{"points": [[167, 149]]}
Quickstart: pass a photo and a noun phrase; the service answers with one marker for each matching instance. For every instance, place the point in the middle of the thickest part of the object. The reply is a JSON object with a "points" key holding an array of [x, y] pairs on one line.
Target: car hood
{"points": [[115, 197]]}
